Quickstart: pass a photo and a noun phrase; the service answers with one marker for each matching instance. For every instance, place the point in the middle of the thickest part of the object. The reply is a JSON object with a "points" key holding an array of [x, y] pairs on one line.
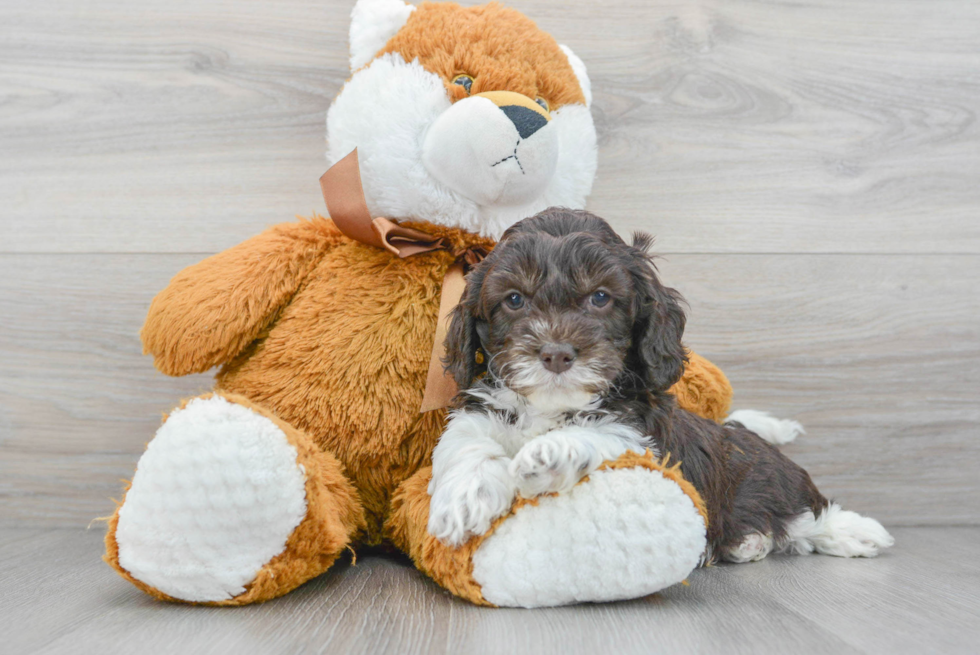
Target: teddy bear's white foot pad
{"points": [[625, 533], [215, 497]]}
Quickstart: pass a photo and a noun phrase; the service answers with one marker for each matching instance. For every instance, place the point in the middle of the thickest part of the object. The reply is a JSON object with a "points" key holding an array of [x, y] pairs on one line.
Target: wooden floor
{"points": [[811, 169], [922, 597]]}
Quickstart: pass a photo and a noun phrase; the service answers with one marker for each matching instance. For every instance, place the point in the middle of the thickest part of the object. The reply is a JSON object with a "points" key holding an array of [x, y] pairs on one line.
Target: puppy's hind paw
{"points": [[753, 548], [838, 532]]}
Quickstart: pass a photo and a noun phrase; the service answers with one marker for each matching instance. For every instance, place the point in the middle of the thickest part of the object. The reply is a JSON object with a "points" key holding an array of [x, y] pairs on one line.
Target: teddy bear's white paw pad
{"points": [[625, 533], [214, 498]]}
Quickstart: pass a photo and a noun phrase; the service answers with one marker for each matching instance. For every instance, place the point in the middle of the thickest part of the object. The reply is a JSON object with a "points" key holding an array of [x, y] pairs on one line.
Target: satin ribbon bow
{"points": [[344, 195]]}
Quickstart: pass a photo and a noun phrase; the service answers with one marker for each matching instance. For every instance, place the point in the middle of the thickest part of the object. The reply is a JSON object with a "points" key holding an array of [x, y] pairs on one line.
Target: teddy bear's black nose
{"points": [[557, 357], [527, 121]]}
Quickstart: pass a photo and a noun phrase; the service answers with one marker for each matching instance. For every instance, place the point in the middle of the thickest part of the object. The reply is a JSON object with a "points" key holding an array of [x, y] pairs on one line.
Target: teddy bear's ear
{"points": [[583, 76], [372, 23]]}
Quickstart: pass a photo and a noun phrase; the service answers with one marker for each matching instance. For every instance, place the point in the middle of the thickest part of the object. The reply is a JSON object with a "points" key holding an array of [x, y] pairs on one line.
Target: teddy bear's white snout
{"points": [[490, 154]]}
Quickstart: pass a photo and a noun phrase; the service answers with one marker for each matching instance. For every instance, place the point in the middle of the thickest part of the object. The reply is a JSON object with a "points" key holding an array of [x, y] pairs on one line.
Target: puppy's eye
{"points": [[544, 103], [514, 301], [464, 81], [600, 299]]}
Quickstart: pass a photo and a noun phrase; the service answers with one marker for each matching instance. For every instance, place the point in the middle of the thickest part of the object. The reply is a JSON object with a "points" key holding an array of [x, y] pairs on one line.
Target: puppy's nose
{"points": [[557, 357]]}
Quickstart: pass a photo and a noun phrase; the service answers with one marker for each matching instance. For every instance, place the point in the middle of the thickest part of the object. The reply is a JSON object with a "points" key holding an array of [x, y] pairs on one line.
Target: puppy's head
{"points": [[563, 310]]}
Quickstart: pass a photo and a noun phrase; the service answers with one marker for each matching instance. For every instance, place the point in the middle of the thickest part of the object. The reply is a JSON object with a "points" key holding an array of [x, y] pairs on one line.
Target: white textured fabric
{"points": [[578, 67], [214, 498], [386, 111], [623, 534], [476, 150], [372, 24]]}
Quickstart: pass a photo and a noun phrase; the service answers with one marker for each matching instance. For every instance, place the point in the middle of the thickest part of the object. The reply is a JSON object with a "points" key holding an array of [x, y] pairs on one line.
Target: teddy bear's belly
{"points": [[347, 360]]}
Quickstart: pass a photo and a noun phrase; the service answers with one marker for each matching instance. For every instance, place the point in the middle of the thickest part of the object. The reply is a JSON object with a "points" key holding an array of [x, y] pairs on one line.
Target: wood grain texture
{"points": [[57, 596], [725, 126], [813, 166], [878, 356]]}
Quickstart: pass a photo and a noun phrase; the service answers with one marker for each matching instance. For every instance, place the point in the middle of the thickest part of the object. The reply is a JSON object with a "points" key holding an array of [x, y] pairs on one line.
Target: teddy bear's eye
{"points": [[464, 81], [544, 103]]}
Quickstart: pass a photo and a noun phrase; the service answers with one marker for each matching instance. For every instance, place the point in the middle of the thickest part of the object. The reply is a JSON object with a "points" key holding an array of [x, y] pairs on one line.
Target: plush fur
{"points": [[498, 566], [565, 344], [420, 126], [331, 339], [333, 517]]}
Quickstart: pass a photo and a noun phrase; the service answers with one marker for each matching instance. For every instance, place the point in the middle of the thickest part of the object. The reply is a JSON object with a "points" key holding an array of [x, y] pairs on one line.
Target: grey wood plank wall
{"points": [[811, 170]]}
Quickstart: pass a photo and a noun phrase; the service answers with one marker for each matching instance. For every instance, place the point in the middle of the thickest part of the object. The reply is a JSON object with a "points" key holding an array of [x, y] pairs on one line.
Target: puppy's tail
{"points": [[774, 430]]}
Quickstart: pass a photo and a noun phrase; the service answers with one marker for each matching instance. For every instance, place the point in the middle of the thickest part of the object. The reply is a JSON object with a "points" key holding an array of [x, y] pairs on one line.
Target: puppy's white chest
{"points": [[557, 402], [526, 428]]}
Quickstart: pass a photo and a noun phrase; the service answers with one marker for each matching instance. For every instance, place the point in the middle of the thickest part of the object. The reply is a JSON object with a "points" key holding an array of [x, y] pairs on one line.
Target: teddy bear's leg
{"points": [[703, 389], [629, 529], [230, 505]]}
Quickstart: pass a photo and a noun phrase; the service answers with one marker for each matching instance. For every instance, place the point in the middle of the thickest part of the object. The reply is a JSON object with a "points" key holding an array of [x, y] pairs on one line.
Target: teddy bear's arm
{"points": [[703, 389], [210, 311]]}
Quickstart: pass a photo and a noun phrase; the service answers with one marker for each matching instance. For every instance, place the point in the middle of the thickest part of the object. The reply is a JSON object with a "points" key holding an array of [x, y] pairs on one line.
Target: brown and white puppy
{"points": [[565, 344]]}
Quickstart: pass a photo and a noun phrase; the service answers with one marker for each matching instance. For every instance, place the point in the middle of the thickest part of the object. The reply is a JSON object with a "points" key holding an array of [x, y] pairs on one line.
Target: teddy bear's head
{"points": [[468, 117]]}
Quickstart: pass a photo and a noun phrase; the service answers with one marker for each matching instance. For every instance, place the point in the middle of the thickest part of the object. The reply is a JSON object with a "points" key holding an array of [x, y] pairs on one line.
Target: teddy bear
{"points": [[464, 121]]}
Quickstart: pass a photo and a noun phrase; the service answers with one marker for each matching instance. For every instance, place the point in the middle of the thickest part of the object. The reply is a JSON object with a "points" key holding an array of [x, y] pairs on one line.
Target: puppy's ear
{"points": [[642, 242], [659, 326], [462, 343], [463, 338]]}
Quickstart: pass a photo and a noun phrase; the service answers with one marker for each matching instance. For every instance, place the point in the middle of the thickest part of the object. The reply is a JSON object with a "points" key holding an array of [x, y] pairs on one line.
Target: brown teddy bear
{"points": [[465, 121]]}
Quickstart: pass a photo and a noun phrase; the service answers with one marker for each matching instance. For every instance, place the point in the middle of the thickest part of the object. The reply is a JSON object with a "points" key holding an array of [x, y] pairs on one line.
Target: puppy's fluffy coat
{"points": [[565, 344]]}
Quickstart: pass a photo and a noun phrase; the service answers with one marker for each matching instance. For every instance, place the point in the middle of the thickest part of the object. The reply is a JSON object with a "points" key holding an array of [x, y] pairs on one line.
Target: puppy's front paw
{"points": [[551, 463], [465, 503]]}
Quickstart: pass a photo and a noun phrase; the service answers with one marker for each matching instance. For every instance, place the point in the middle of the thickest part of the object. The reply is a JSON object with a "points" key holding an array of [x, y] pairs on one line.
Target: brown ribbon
{"points": [[344, 195]]}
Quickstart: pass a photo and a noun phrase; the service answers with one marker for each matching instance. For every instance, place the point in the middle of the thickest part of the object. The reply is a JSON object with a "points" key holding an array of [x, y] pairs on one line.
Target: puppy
{"points": [[565, 344]]}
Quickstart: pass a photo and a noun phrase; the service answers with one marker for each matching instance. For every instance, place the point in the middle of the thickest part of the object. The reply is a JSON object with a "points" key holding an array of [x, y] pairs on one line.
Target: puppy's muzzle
{"points": [[557, 357]]}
